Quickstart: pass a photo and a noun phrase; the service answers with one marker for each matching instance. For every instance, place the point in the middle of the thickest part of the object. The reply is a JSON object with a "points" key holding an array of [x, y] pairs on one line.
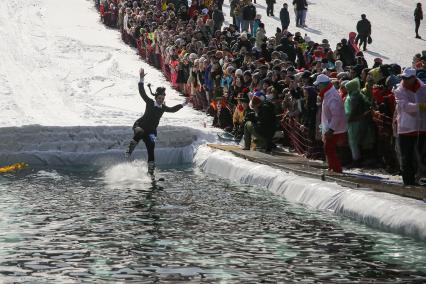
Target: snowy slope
{"points": [[60, 66], [392, 25]]}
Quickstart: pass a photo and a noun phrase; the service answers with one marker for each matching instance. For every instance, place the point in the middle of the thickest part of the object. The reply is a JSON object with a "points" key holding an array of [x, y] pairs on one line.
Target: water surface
{"points": [[115, 225]]}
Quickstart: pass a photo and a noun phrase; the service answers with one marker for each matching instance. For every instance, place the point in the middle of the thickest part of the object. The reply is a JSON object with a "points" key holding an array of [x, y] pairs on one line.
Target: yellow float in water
{"points": [[14, 167]]}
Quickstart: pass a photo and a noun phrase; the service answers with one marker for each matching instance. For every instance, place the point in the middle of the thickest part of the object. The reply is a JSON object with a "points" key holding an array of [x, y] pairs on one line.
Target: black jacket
{"points": [[265, 122], [284, 17], [347, 56], [363, 27], [288, 49], [218, 18], [418, 14], [152, 115], [300, 4], [249, 13]]}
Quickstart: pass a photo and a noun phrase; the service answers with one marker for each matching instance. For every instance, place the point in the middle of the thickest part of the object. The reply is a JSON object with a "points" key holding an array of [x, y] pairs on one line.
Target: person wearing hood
{"points": [[284, 17], [410, 98], [352, 42], [145, 128], [356, 111], [339, 66], [333, 121]]}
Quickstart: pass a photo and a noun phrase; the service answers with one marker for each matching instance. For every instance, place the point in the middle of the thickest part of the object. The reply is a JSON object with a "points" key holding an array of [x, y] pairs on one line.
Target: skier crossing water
{"points": [[145, 128]]}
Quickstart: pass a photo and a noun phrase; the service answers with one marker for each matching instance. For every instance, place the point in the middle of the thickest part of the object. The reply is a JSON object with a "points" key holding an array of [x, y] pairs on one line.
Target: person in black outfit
{"points": [[300, 6], [346, 54], [284, 17], [270, 7], [145, 128], [288, 48], [260, 123], [418, 16], [363, 28]]}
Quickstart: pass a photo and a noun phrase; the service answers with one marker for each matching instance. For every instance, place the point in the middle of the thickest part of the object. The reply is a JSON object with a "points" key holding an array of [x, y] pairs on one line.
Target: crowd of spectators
{"points": [[315, 95]]}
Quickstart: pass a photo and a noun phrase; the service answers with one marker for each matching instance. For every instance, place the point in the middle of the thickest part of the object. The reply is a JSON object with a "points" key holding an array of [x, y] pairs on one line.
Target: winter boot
{"points": [[151, 167], [131, 147]]}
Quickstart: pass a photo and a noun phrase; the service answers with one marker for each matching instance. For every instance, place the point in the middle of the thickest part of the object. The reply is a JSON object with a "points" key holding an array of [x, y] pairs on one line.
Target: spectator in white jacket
{"points": [[410, 98], [333, 121], [126, 20]]}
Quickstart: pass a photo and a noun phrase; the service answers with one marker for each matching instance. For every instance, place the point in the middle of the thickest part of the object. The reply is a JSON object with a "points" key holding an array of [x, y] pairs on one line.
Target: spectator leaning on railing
{"points": [[333, 121], [411, 119]]}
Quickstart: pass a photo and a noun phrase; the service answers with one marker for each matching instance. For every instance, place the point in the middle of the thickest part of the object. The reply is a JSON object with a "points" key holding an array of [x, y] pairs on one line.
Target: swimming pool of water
{"points": [[68, 225]]}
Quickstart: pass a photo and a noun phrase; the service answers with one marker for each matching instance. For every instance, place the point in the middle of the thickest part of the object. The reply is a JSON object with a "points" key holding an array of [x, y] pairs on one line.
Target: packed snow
{"points": [[63, 67]]}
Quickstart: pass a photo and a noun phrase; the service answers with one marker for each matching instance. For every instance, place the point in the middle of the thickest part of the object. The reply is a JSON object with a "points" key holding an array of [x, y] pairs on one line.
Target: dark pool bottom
{"points": [[91, 226]]}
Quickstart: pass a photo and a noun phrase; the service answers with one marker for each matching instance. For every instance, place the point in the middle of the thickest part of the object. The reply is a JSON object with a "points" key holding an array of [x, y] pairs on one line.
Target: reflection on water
{"points": [[68, 225]]}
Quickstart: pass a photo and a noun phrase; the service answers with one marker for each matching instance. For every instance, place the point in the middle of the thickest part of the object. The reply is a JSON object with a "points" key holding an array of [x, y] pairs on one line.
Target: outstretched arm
{"points": [[142, 88], [176, 107]]}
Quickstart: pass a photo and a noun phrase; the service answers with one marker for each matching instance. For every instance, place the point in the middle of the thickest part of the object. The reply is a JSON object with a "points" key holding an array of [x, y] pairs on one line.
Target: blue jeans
{"points": [[299, 17], [246, 25]]}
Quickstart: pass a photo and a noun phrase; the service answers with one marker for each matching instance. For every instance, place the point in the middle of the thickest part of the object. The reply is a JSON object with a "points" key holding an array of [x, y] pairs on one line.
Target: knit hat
{"points": [[257, 99]]}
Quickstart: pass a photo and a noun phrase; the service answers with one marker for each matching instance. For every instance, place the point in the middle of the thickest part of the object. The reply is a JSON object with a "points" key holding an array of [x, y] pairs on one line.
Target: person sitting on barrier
{"points": [[222, 114], [260, 124]]}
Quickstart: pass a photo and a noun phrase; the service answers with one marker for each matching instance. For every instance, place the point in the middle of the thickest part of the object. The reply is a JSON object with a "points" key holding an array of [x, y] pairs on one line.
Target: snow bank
{"points": [[381, 210], [88, 145]]}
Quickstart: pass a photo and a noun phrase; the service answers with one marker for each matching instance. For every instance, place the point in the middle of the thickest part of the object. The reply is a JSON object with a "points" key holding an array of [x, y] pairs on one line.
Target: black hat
{"points": [[306, 74], [160, 91]]}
